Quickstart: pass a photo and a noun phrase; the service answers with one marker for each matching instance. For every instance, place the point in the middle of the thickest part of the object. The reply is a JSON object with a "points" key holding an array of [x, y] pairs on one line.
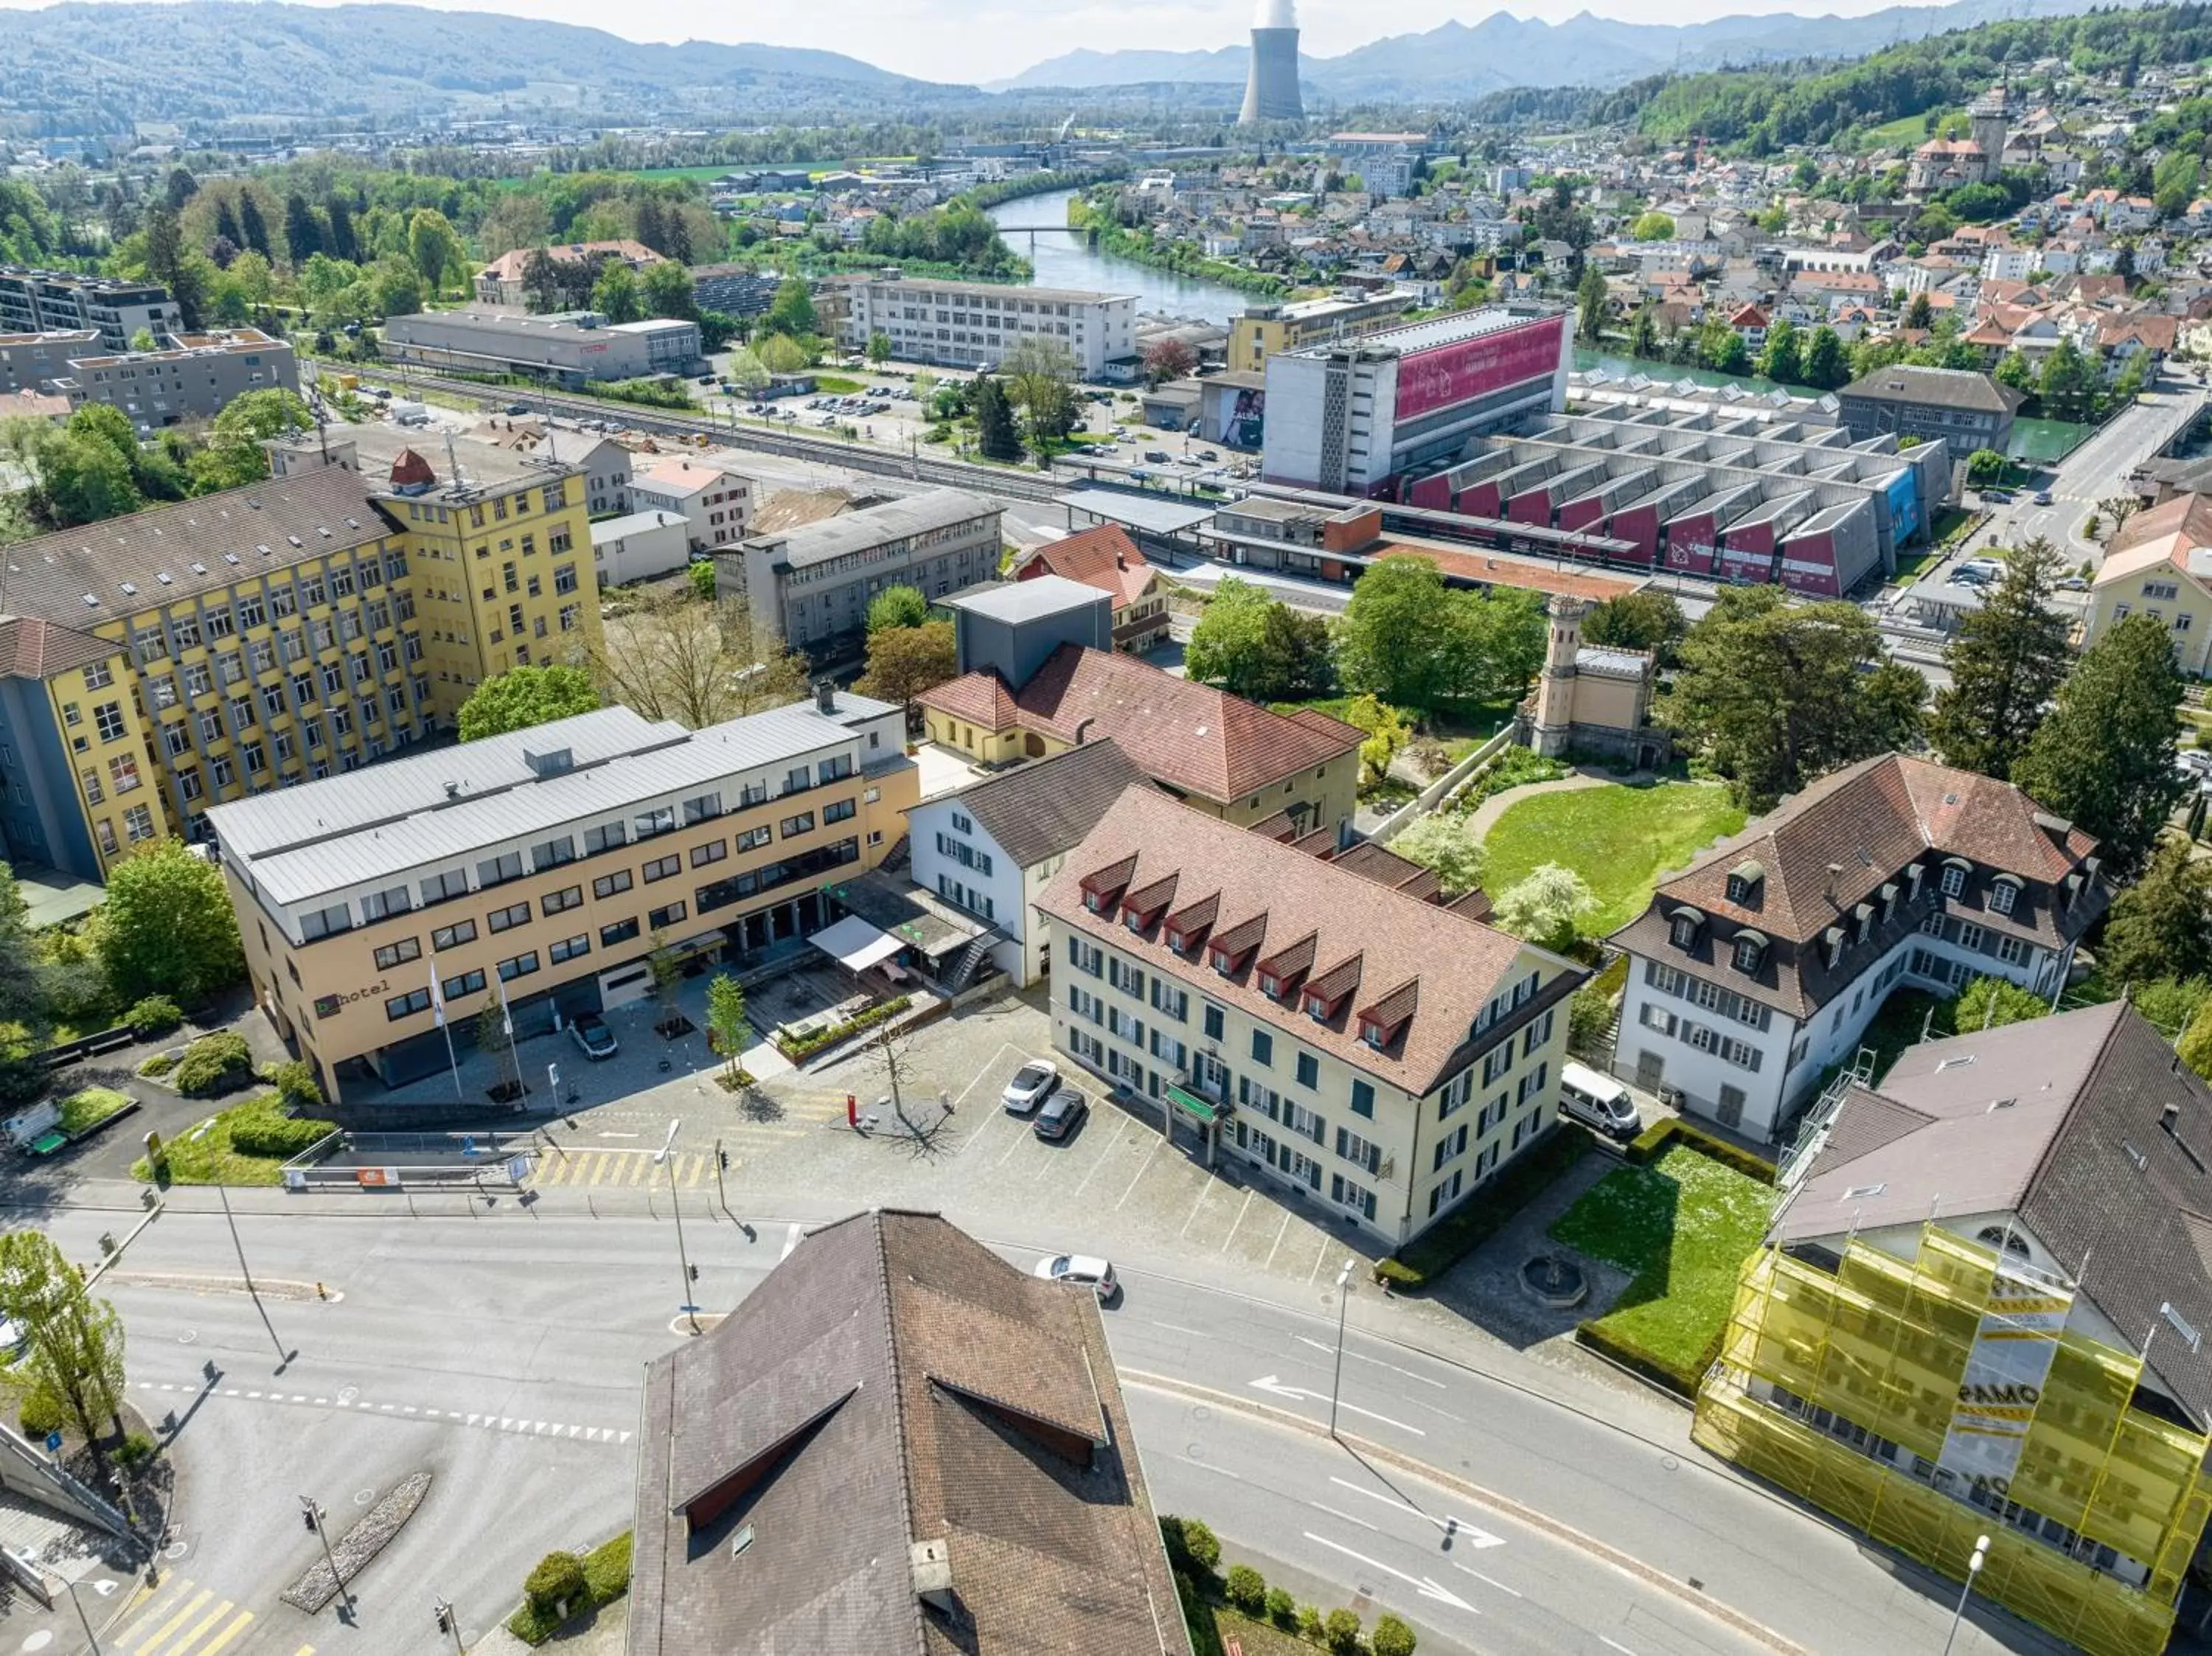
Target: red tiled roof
{"points": [[1104, 557], [508, 267], [31, 648], [1500, 570], [979, 697]]}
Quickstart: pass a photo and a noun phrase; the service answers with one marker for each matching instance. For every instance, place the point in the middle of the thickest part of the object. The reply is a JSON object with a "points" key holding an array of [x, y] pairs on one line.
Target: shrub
{"points": [[1201, 1546], [41, 1412], [1282, 1610], [137, 1449], [154, 1016], [606, 1569], [799, 1048], [157, 1067], [1444, 1244], [1392, 1637], [1310, 1622], [558, 1579], [1341, 1631], [262, 1129], [1246, 1589], [297, 1087], [215, 1063], [1655, 1140]]}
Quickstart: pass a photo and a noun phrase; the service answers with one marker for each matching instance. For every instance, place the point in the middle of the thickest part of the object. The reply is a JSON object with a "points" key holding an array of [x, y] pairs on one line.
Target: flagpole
{"points": [[507, 1023], [438, 1013]]}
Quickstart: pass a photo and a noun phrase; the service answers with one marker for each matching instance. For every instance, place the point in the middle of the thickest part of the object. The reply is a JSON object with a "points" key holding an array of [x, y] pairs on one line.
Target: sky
{"points": [[977, 40]]}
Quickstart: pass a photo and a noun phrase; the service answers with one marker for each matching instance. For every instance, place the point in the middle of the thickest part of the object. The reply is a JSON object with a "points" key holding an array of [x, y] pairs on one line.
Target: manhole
{"points": [[1201, 1411], [188, 1337], [176, 1550], [348, 1393], [1668, 1462], [363, 1497], [1550, 1280]]}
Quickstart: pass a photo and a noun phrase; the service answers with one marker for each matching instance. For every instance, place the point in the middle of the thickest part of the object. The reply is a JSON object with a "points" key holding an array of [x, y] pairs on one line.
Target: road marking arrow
{"points": [[1479, 1539], [1424, 1586], [1274, 1387]]}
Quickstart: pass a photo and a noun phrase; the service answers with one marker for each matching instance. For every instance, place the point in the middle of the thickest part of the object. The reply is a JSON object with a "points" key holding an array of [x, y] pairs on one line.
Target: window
{"points": [[1536, 1035], [1087, 957], [1125, 977], [437, 887], [468, 983], [662, 868], [1683, 930], [1215, 1022], [1309, 1069], [406, 1006], [569, 948], [1170, 1000], [700, 808], [1533, 1083], [1346, 1194], [557, 902], [496, 870], [1456, 1092], [518, 966], [792, 827], [842, 810], [122, 771], [326, 922], [551, 854], [393, 954], [1954, 880], [1971, 936], [1447, 1191], [380, 905], [620, 932], [502, 920], [108, 717], [608, 884], [712, 852], [753, 839], [2003, 894], [1362, 1099], [99, 675], [1263, 1048], [1747, 952], [137, 824], [1364, 1152], [659, 819], [605, 837], [451, 937], [671, 915], [1449, 1147]]}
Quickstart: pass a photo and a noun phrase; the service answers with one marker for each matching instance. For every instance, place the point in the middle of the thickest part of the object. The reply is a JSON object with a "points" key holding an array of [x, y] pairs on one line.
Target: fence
{"points": [[1442, 789], [395, 1161]]}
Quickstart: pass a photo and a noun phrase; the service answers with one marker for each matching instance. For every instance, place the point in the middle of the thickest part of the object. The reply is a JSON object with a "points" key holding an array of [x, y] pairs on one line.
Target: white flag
{"points": [[505, 1017], [437, 995]]}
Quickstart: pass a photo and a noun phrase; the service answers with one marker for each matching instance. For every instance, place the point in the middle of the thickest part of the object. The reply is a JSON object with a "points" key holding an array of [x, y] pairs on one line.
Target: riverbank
{"points": [[1181, 258]]}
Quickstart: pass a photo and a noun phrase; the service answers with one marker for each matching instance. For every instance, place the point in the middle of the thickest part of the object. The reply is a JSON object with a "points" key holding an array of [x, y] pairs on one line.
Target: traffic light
{"points": [[724, 1154], [308, 1517], [695, 1273], [444, 1612]]}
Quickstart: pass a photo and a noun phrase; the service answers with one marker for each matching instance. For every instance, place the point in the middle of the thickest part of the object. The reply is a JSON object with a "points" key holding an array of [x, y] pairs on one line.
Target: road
{"points": [[502, 1354], [2095, 470]]}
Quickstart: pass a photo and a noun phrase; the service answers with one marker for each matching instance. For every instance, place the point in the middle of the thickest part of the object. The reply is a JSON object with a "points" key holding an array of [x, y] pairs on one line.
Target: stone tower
{"points": [[1986, 124], [1555, 691]]}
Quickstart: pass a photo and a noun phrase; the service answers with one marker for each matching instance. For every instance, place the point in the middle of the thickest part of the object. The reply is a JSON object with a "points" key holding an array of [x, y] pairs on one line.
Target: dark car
{"points": [[592, 1034], [1060, 1114], [518, 407]]}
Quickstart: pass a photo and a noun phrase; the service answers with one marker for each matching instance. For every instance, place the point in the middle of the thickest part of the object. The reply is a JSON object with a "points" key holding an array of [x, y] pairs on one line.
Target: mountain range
{"points": [[1460, 60]]}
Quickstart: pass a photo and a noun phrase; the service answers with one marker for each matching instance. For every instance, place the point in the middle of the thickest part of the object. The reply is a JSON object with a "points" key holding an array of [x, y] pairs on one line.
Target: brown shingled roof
{"points": [[1104, 558], [31, 648]]}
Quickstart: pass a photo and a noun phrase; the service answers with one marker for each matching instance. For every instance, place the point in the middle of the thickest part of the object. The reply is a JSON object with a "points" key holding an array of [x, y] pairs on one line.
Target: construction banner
{"points": [[2007, 1369]]}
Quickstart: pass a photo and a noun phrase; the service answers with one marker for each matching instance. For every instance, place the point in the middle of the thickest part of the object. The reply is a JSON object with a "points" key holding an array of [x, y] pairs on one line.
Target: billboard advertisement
{"points": [[2006, 1371], [1432, 379]]}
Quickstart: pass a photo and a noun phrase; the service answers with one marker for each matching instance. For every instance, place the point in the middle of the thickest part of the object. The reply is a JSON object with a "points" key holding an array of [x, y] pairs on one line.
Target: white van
{"points": [[1598, 1101]]}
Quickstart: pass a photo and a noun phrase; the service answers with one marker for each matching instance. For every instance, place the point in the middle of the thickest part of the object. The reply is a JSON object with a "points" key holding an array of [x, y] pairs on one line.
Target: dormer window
{"points": [[1373, 1034], [1318, 1008], [1218, 959], [2004, 894], [1095, 902], [1133, 920], [1271, 986], [1177, 942], [1683, 927], [1954, 879], [1864, 913], [1832, 940], [1750, 949], [1744, 881]]}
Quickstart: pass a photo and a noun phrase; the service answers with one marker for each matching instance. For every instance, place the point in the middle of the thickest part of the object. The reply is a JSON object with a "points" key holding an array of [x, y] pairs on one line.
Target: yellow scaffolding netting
{"points": [[1883, 1343]]}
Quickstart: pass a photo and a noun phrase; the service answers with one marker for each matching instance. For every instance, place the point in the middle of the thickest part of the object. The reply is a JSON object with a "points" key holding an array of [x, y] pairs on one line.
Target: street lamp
{"points": [[88, 1635], [317, 1518], [676, 1207], [1343, 1300], [1973, 1569], [282, 1357]]}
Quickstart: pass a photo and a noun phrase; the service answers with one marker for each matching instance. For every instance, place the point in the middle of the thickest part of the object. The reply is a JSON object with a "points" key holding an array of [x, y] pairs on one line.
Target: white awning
{"points": [[855, 945]]}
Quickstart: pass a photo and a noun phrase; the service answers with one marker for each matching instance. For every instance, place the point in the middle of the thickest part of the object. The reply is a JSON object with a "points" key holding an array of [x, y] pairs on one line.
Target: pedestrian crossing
{"points": [[631, 1169], [180, 1618]]}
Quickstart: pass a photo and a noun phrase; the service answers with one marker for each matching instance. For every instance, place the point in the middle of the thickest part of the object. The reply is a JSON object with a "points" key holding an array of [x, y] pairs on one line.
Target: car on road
{"points": [[1031, 1085], [2070, 584], [590, 1033], [1080, 1271], [1995, 496], [1060, 1114], [1208, 454], [1158, 457], [518, 407], [2042, 497]]}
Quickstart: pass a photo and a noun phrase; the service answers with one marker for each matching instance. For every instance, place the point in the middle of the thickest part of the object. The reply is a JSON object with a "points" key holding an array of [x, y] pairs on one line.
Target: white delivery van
{"points": [[1598, 1101]]}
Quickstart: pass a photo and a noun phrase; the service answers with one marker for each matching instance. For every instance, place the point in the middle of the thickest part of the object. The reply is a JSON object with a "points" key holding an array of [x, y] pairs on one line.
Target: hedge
{"points": [[1652, 1366], [600, 1577], [1653, 1141], [154, 1015], [799, 1048], [265, 1129], [214, 1064], [1486, 1213]]}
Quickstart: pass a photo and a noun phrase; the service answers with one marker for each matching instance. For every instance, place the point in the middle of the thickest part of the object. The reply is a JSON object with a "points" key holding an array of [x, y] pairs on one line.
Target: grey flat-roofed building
{"points": [[1013, 628], [811, 587], [193, 376], [972, 324], [1966, 408], [44, 301], [569, 349]]}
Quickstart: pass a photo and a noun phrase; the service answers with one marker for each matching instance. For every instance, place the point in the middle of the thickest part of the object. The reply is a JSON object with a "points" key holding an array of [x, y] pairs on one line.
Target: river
{"points": [[1064, 259]]}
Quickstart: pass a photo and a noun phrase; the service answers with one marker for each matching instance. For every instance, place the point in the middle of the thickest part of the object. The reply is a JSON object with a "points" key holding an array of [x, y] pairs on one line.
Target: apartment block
{"points": [[1358, 1047], [48, 302], [715, 503], [192, 377], [555, 861], [972, 324], [32, 361]]}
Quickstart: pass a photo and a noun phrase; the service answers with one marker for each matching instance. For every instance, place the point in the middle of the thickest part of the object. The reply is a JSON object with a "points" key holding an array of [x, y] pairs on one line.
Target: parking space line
{"points": [[1239, 1220], [1099, 1160], [1139, 1173], [1205, 1190], [1320, 1253], [1269, 1263], [1013, 1145]]}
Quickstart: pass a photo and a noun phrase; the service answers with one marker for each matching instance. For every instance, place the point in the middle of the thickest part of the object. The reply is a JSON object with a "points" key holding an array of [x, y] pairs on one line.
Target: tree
{"points": [[1547, 907], [2012, 370], [75, 1358], [1991, 1003], [168, 925], [234, 456], [1780, 360], [1387, 733], [615, 294], [2195, 1046], [339, 242], [1341, 1632], [1391, 1637], [904, 661], [1039, 374], [1393, 639], [1825, 367], [1589, 305], [726, 1020], [995, 436], [2161, 925], [2103, 757], [25, 1015], [1168, 357], [179, 187], [781, 354], [525, 696], [303, 232], [2006, 664], [1920, 313], [495, 1036], [1776, 693], [746, 371], [2070, 381], [435, 248], [1493, 644], [166, 262], [1653, 226], [697, 663], [2119, 508], [1445, 846], [897, 606], [666, 289], [252, 225], [1985, 466], [1643, 332], [541, 282], [879, 348], [699, 576], [792, 312], [1646, 620]]}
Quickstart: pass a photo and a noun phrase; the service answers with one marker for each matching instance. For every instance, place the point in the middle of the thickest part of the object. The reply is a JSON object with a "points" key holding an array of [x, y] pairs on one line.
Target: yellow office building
{"points": [[154, 666]]}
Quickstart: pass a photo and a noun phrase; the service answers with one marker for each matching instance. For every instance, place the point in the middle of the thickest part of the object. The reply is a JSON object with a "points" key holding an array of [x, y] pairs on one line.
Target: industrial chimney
{"points": [[1272, 92]]}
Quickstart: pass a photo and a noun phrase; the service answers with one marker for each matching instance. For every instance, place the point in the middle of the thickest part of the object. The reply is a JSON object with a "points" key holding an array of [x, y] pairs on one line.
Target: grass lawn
{"points": [[1906, 131], [83, 1112], [209, 1159], [1618, 838], [837, 384], [1684, 1226]]}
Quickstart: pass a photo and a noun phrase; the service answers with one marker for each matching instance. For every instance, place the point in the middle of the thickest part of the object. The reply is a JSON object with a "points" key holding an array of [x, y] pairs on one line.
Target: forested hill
{"points": [[1759, 111]]}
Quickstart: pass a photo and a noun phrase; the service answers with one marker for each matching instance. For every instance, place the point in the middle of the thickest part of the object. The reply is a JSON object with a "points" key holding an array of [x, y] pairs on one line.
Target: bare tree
{"points": [[699, 664], [2119, 508]]}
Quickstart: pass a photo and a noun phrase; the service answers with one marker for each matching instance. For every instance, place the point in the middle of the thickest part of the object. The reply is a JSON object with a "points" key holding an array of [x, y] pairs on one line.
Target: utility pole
{"points": [[253, 1293], [675, 1206], [317, 1518], [1343, 1300], [448, 1622], [89, 1637]]}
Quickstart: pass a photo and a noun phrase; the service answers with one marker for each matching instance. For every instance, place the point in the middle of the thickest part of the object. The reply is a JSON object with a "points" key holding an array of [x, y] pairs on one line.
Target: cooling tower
{"points": [[1272, 92]]}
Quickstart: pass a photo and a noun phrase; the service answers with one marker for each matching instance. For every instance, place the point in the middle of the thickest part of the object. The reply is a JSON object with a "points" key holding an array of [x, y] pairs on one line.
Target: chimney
{"points": [[931, 1562], [825, 697], [1834, 871]]}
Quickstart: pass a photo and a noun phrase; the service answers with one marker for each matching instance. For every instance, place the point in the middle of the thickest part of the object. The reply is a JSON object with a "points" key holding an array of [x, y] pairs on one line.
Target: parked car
{"points": [[1208, 454], [590, 1033], [518, 407], [1080, 1271], [1060, 1114], [1158, 457], [1598, 1101], [1031, 1085]]}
